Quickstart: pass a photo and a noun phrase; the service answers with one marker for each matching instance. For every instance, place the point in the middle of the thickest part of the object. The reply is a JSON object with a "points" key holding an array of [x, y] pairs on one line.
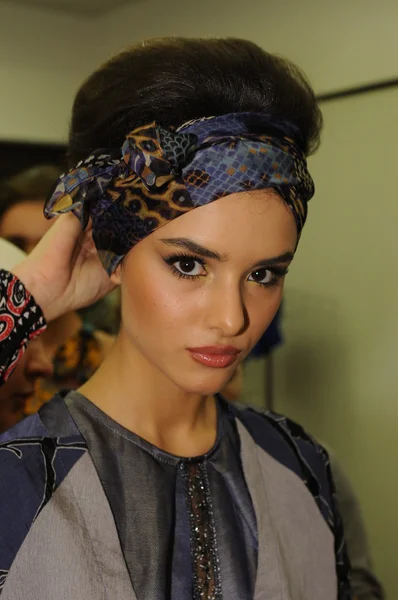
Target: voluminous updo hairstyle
{"points": [[174, 80]]}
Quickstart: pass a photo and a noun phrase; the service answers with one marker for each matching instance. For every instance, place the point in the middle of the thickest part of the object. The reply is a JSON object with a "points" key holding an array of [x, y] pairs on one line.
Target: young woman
{"points": [[188, 159]]}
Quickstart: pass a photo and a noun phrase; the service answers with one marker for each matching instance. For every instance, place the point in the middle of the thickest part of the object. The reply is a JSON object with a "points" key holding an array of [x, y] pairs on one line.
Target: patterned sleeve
{"points": [[21, 320], [316, 470], [343, 565], [300, 452]]}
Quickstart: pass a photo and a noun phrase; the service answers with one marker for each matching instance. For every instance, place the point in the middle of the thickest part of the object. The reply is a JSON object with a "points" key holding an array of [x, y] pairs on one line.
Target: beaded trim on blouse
{"points": [[205, 561]]}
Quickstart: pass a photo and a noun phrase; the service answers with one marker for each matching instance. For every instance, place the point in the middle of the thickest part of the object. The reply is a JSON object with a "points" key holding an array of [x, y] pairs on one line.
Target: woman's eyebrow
{"points": [[190, 245], [274, 260]]}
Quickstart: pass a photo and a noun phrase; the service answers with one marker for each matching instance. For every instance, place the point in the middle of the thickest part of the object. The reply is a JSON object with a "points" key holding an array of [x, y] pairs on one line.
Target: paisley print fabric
{"points": [[21, 320], [160, 174]]}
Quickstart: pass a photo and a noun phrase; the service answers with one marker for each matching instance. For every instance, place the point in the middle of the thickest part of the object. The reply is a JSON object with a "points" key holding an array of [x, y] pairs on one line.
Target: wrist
{"points": [[37, 289]]}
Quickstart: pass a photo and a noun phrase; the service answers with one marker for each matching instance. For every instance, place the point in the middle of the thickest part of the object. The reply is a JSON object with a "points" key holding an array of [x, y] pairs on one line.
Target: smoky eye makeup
{"points": [[191, 267], [186, 266], [267, 276]]}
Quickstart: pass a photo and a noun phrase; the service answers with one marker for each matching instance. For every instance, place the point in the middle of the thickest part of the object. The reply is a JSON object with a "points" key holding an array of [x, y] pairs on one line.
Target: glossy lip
{"points": [[217, 357], [211, 350]]}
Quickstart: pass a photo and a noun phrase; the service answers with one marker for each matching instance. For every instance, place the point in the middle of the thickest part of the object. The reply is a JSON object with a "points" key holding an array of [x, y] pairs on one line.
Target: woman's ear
{"points": [[116, 276]]}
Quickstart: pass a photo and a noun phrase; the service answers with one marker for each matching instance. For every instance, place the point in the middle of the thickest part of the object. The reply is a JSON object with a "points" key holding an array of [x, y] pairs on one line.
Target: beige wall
{"points": [[337, 43], [44, 56]]}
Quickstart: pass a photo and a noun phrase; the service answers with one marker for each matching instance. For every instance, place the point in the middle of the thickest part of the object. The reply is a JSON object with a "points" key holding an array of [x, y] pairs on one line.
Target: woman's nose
{"points": [[228, 312], [37, 362]]}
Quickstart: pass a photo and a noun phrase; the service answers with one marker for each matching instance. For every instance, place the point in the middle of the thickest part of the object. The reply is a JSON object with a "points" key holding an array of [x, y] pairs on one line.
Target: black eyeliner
{"points": [[280, 271], [177, 257]]}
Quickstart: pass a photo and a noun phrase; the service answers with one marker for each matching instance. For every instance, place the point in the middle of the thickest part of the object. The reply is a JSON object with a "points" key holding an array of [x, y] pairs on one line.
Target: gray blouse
{"points": [[186, 526]]}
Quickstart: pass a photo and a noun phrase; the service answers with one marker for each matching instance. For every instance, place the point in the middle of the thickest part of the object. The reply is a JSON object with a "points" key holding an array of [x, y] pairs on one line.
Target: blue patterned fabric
{"points": [[37, 455], [33, 464], [290, 445], [161, 174]]}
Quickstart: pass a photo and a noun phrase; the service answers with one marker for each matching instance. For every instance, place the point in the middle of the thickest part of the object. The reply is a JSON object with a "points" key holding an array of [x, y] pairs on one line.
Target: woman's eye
{"points": [[262, 276], [189, 267]]}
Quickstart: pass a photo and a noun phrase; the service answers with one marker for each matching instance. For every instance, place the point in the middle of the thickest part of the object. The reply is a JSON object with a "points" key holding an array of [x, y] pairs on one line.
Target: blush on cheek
{"points": [[151, 300]]}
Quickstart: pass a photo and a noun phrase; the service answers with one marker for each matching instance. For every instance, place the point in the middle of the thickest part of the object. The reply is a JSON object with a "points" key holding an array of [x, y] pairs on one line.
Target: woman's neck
{"points": [[142, 399]]}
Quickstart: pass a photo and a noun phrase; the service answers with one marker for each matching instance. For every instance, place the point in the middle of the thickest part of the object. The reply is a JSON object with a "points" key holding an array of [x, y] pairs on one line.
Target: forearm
{"points": [[21, 320]]}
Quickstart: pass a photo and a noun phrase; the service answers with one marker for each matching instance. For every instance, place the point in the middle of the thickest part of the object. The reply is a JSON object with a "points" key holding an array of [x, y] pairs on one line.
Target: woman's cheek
{"points": [[155, 300]]}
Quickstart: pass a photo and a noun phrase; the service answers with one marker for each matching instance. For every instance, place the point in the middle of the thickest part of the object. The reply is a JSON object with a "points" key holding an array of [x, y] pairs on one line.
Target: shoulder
{"points": [[289, 444], [280, 435], [33, 463]]}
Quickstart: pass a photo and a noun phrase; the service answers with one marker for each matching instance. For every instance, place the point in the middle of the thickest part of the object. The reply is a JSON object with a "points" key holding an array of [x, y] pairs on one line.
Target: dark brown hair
{"points": [[174, 80], [34, 183]]}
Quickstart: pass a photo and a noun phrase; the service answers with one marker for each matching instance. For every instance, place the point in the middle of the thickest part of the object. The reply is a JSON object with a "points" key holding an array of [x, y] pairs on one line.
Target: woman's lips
{"points": [[217, 357]]}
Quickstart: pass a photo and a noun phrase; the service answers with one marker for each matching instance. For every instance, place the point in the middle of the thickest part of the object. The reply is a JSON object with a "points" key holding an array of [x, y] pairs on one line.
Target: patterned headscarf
{"points": [[161, 174]]}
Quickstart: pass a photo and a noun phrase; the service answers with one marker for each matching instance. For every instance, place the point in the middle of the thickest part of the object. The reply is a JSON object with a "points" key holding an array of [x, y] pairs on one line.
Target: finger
{"points": [[86, 236], [67, 223], [86, 244], [62, 236]]}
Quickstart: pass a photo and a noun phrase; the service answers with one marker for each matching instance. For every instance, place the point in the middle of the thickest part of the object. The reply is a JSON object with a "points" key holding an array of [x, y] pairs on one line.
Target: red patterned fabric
{"points": [[21, 320]]}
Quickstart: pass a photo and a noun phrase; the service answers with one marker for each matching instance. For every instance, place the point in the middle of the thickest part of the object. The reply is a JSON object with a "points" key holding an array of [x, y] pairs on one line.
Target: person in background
{"points": [[22, 199], [63, 273], [74, 346], [33, 364]]}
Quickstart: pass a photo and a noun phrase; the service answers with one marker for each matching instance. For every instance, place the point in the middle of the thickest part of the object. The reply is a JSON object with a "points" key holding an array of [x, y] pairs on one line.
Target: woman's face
{"points": [[199, 292], [21, 384], [24, 224]]}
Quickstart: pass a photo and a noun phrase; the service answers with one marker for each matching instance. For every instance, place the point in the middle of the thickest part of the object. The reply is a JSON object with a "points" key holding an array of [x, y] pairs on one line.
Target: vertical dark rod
{"points": [[269, 382]]}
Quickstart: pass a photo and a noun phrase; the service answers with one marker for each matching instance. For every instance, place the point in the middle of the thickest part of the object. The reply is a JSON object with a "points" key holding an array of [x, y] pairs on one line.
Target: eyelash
{"points": [[170, 260], [277, 272]]}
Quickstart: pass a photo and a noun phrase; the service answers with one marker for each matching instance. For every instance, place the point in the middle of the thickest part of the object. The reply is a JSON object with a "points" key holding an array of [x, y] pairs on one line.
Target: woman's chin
{"points": [[209, 386]]}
